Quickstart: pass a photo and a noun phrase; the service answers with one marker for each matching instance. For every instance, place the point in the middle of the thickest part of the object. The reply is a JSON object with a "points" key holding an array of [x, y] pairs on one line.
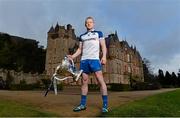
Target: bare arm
{"points": [[104, 50], [78, 51]]}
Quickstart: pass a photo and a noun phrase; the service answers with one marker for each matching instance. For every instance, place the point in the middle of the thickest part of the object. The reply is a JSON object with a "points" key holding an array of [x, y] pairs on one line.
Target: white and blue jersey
{"points": [[90, 51], [90, 47]]}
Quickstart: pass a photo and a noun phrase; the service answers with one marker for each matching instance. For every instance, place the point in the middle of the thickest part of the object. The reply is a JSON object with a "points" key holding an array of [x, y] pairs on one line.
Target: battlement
{"points": [[58, 27], [61, 31]]}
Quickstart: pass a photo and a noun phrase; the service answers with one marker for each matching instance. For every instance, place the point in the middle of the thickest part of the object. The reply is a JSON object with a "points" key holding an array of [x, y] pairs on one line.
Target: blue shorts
{"points": [[90, 65]]}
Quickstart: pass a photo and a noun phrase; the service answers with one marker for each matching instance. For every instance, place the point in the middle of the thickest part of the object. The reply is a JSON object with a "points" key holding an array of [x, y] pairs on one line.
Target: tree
{"points": [[21, 54], [178, 78], [168, 80], [174, 79], [150, 80], [6, 52], [161, 77], [148, 74]]}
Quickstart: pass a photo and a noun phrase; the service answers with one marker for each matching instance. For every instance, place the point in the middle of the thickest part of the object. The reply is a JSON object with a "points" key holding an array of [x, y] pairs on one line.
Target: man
{"points": [[90, 62]]}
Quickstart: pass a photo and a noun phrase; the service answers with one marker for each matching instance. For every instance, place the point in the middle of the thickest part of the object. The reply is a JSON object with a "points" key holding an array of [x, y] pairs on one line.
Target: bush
{"points": [[146, 86], [60, 86], [37, 85], [119, 87], [93, 87], [9, 81], [2, 83], [46, 83], [154, 86], [168, 86], [24, 86]]}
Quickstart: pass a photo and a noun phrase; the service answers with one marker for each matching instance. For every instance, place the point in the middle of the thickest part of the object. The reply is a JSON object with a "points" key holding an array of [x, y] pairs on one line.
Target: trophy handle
{"points": [[61, 79], [71, 60]]}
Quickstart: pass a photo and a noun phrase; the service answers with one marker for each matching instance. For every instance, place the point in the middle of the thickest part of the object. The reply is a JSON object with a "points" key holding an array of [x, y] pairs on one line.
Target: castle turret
{"points": [[69, 27], [116, 36], [113, 42], [51, 30], [57, 27]]}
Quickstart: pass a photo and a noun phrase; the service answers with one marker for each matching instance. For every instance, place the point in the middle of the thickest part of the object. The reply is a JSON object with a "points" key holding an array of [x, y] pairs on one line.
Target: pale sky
{"points": [[152, 25]]}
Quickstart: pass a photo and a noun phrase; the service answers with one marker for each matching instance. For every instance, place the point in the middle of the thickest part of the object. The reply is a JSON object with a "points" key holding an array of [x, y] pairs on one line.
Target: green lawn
{"points": [[13, 109], [164, 104]]}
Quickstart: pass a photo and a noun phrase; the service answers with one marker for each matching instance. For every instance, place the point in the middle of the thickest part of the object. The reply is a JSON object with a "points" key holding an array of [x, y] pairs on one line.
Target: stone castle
{"points": [[123, 61]]}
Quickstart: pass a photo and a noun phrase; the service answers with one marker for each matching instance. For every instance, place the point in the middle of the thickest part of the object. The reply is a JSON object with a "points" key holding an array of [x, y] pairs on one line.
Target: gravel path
{"points": [[67, 99]]}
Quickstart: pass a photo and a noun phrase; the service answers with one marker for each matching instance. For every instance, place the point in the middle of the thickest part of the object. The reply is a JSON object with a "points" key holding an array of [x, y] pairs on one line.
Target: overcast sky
{"points": [[152, 25]]}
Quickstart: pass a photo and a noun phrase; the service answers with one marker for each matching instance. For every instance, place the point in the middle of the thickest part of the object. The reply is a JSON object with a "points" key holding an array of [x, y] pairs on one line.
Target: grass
{"points": [[14, 109], [164, 104]]}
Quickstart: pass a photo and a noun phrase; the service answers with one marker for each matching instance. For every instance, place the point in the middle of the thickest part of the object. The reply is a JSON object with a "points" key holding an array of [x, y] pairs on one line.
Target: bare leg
{"points": [[84, 87], [84, 91], [102, 83]]}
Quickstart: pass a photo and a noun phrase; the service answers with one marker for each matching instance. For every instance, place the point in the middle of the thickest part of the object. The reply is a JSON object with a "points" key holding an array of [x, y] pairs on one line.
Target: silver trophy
{"points": [[65, 70]]}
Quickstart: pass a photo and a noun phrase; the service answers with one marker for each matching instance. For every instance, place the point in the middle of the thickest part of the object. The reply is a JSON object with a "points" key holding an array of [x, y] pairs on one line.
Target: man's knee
{"points": [[85, 81], [99, 74]]}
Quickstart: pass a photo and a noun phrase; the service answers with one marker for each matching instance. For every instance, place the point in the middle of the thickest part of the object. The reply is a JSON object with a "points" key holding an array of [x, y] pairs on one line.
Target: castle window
{"points": [[137, 71], [55, 50], [128, 57], [120, 68], [129, 69], [116, 54], [125, 68], [66, 36]]}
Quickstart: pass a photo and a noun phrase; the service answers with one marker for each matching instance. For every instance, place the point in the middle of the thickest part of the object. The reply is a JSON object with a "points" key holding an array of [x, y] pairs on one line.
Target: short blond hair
{"points": [[89, 17]]}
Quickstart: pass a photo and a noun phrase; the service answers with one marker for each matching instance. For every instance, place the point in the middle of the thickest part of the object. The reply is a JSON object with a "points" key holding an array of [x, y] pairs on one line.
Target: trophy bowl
{"points": [[67, 69], [63, 69]]}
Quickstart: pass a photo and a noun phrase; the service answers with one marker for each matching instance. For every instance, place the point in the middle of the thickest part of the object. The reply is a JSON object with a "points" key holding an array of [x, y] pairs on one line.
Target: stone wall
{"points": [[18, 76]]}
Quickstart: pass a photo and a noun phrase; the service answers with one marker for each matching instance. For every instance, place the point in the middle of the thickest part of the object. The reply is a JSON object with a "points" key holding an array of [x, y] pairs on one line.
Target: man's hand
{"points": [[103, 60], [77, 53], [70, 56], [104, 51]]}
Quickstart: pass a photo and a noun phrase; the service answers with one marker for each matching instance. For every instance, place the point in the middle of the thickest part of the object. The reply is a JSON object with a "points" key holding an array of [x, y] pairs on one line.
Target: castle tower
{"points": [[59, 41]]}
